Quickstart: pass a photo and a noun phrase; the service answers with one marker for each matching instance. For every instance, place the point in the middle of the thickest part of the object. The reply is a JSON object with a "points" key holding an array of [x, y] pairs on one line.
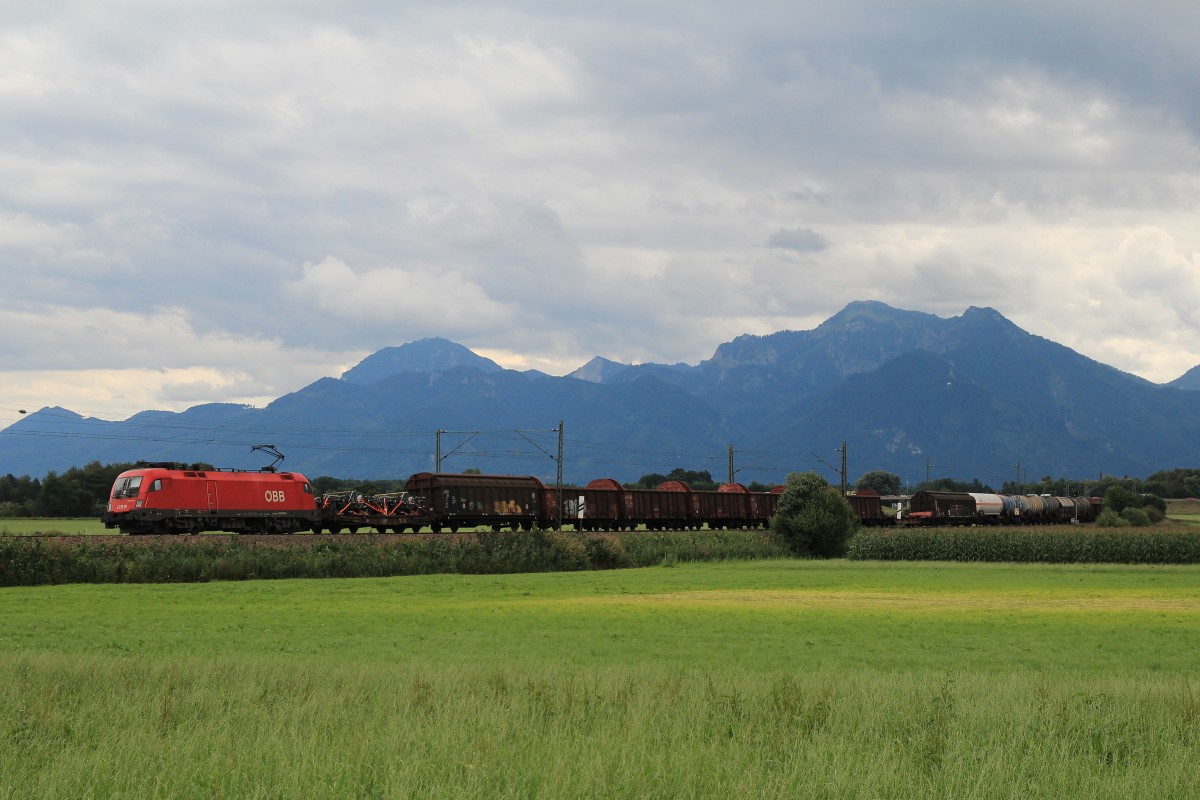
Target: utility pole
{"points": [[439, 458], [731, 470], [558, 484], [842, 450], [1018, 466]]}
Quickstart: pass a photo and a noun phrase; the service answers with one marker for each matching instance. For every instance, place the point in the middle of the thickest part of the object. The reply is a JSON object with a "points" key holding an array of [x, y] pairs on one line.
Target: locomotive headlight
{"points": [[139, 503]]}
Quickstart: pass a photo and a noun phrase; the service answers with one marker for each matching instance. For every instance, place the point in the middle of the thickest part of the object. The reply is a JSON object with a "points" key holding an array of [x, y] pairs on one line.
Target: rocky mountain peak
{"points": [[424, 355], [599, 370]]}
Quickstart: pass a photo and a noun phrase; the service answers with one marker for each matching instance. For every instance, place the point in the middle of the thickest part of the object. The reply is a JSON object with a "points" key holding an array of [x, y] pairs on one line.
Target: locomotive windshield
{"points": [[127, 487]]}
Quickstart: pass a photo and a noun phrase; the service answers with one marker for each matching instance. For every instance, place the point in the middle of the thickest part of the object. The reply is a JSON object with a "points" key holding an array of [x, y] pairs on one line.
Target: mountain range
{"points": [[972, 396]]}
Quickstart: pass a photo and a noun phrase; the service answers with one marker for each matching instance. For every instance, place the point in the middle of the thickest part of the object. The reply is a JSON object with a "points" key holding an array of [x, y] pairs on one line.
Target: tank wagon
{"points": [[976, 508]]}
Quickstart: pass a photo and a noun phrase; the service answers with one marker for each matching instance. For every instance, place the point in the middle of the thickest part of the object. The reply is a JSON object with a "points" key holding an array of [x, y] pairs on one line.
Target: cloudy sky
{"points": [[224, 201]]}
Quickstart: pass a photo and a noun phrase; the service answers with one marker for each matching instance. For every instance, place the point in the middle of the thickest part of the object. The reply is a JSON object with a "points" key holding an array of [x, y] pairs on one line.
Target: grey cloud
{"points": [[802, 240]]}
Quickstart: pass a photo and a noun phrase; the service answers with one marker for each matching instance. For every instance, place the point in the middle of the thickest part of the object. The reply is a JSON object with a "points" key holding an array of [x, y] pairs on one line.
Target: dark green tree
{"points": [[881, 481], [700, 480], [62, 497], [813, 518], [1118, 498], [952, 485], [1177, 483]]}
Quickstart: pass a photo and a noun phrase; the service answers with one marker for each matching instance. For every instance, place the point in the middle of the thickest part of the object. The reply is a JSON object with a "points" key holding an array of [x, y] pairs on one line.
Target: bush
{"points": [[1136, 517], [813, 519], [537, 550], [1111, 519], [605, 552], [644, 549], [1149, 501], [1118, 498]]}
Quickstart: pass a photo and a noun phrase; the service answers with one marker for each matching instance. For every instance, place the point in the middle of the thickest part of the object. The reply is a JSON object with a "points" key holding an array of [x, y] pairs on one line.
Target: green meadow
{"points": [[746, 679], [70, 526]]}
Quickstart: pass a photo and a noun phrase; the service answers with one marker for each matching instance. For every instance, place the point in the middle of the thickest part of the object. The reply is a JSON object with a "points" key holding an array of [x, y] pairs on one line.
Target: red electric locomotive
{"points": [[169, 498]]}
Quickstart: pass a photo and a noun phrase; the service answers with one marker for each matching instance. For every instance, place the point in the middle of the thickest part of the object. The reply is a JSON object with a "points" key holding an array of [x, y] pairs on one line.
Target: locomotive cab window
{"points": [[156, 486], [127, 487], [308, 488]]}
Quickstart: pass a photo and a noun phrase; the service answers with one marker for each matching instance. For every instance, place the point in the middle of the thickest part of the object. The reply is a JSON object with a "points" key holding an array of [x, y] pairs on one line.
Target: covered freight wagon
{"points": [[935, 508], [463, 501]]}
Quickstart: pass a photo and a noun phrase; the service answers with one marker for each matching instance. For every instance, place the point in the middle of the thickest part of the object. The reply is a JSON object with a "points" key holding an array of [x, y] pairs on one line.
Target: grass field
{"points": [[1184, 510], [758, 679], [27, 526]]}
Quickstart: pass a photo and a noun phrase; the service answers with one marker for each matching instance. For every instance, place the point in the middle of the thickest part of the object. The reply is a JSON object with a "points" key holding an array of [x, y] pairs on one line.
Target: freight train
{"points": [[165, 498]]}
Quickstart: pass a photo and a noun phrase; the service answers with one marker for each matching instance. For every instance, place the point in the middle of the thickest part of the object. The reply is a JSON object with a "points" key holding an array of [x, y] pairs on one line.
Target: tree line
{"points": [[77, 492], [1175, 483]]}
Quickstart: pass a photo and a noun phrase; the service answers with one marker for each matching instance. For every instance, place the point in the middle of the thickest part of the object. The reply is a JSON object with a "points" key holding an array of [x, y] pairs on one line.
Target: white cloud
{"points": [[411, 299]]}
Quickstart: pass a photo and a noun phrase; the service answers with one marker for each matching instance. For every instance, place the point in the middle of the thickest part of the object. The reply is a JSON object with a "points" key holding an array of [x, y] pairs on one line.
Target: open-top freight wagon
{"points": [[604, 504]]}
